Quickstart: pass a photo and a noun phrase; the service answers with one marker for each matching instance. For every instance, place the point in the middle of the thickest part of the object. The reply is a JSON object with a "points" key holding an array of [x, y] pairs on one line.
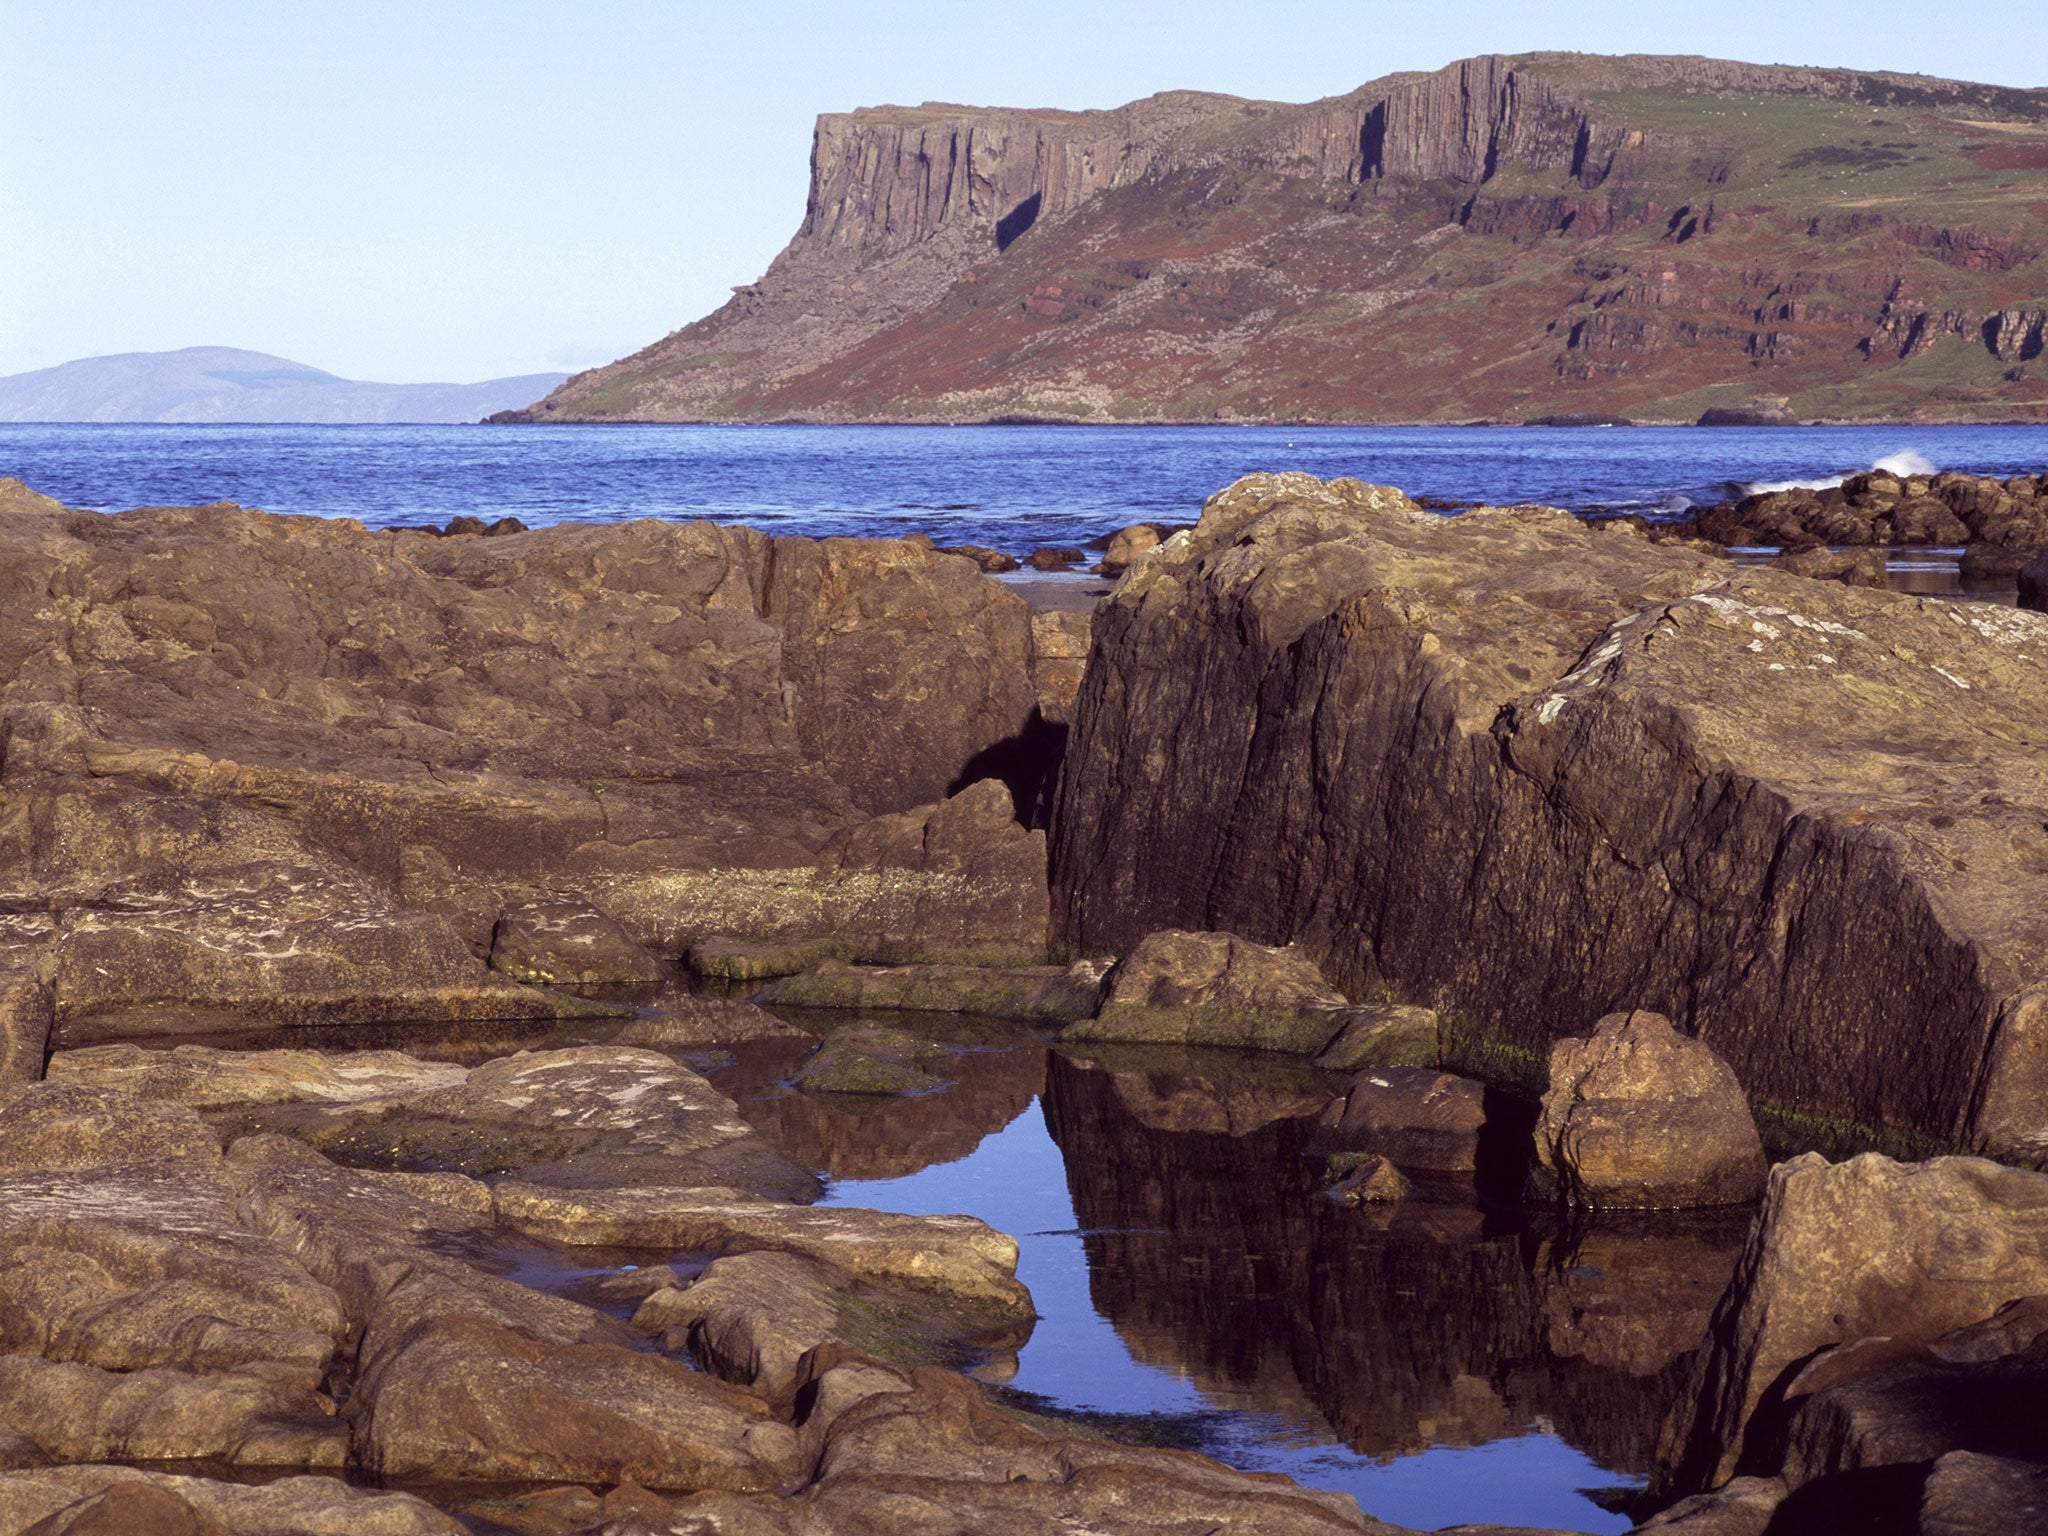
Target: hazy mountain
{"points": [[1509, 238], [228, 384]]}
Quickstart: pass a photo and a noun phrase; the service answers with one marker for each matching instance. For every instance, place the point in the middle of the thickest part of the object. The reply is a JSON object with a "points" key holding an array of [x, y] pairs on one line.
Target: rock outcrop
{"points": [[1528, 773], [1864, 1259], [1640, 1117], [280, 770], [1529, 237]]}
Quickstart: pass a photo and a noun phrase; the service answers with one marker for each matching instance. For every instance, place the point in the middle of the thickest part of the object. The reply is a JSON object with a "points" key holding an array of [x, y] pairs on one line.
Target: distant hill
{"points": [[227, 384], [1510, 238]]}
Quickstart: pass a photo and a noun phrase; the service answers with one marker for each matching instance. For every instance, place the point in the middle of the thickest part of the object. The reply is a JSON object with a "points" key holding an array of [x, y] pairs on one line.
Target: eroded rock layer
{"points": [[1527, 773], [283, 770]]}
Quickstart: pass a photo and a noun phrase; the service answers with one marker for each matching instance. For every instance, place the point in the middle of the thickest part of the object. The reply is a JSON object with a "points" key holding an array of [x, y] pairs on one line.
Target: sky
{"points": [[463, 189]]}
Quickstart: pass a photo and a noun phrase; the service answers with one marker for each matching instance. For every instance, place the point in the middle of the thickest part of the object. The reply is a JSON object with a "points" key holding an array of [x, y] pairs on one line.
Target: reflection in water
{"points": [[1443, 1362], [993, 1071]]}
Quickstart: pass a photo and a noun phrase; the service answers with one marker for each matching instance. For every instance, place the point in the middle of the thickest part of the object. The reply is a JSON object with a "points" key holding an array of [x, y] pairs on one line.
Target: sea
{"points": [[1013, 488]]}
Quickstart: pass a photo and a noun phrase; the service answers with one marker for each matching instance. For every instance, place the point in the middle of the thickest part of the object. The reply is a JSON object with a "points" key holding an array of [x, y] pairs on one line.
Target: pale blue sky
{"points": [[463, 188]]}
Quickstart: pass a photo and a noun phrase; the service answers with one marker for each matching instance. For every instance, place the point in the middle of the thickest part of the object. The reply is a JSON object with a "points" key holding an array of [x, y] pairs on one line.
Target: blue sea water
{"points": [[1012, 487]]}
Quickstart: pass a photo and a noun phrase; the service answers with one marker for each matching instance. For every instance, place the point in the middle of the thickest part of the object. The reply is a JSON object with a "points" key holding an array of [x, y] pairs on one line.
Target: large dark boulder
{"points": [[1527, 773]]}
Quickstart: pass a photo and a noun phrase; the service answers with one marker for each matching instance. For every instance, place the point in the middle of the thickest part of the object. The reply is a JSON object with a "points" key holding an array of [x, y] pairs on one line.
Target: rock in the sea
{"points": [[2033, 584], [1639, 1117], [1419, 1119], [1128, 546], [1503, 761], [1867, 1249], [1376, 1181], [1862, 568], [1215, 989]]}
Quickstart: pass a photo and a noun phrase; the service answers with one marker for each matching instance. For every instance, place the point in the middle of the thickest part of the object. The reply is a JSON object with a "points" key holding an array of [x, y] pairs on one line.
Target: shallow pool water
{"points": [[1445, 1363]]}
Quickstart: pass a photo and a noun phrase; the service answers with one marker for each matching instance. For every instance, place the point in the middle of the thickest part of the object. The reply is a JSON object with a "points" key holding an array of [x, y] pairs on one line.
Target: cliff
{"points": [[1509, 237]]}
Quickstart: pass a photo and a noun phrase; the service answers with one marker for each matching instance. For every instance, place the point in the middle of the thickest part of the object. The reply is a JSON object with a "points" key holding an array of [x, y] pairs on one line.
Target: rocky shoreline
{"points": [[1551, 859]]}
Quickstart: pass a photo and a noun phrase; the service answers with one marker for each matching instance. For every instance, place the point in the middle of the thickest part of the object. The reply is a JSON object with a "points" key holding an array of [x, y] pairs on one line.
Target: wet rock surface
{"points": [[1404, 720]]}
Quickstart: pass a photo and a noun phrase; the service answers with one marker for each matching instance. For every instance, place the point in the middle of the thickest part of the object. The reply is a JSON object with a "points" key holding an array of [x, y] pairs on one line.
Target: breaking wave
{"points": [[1904, 462]]}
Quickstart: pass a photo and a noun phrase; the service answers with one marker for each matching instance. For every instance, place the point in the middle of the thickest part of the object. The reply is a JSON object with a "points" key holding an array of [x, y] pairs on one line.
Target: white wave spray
{"points": [[1905, 462]]}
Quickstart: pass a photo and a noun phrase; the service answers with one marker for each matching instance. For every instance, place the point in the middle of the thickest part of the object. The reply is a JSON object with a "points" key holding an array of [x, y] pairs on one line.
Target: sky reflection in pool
{"points": [[1016, 1180]]}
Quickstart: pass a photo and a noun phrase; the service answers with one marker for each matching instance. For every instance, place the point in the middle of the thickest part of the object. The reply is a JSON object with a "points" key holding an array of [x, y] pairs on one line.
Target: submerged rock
{"points": [[1376, 1181], [1640, 1117], [1215, 989], [1419, 1119], [1467, 759], [868, 1059]]}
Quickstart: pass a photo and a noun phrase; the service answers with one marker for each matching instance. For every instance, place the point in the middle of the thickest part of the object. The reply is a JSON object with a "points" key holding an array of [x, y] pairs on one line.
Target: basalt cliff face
{"points": [[1509, 237]]}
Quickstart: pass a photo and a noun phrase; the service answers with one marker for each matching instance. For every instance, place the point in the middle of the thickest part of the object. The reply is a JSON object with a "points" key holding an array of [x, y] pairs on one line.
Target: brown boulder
{"points": [[957, 882], [1384, 1035], [1968, 1494], [1863, 1249], [207, 1078], [1178, 988], [956, 1256], [1640, 1117], [1055, 994], [564, 943], [868, 1059], [55, 1126], [1865, 568], [1127, 546], [318, 762], [247, 1417]]}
